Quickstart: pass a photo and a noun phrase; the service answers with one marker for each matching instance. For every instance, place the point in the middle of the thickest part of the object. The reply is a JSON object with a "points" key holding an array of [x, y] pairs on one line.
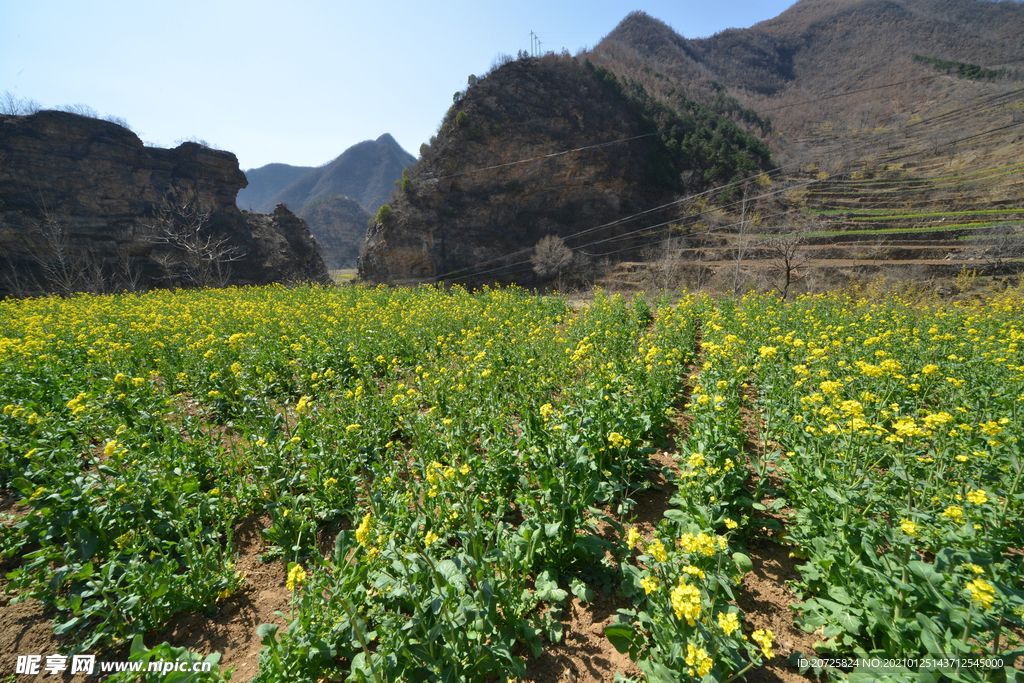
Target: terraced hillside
{"points": [[925, 199]]}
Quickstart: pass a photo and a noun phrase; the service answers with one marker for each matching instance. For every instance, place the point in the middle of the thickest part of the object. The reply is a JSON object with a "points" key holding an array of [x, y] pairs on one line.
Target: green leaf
{"points": [[24, 486], [840, 595], [546, 579], [581, 590], [833, 494], [451, 573], [161, 587], [845, 616], [677, 516], [930, 636], [656, 672], [266, 633], [68, 625], [742, 562], [620, 636], [552, 595]]}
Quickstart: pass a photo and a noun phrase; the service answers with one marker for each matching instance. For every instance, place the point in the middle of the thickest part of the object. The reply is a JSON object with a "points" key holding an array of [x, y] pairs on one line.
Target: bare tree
{"points": [[551, 257], [129, 274], [879, 251], [741, 237], [17, 283], [12, 105], [666, 260], [789, 252], [61, 267], [1003, 243], [80, 109], [197, 255]]}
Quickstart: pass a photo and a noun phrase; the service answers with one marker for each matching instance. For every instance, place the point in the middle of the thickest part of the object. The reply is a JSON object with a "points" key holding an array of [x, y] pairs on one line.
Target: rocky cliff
{"points": [[548, 146], [85, 206]]}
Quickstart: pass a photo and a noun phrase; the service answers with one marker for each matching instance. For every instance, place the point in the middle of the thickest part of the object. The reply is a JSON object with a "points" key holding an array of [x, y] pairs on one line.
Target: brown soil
{"points": [[232, 630], [584, 655], [25, 628], [765, 601]]}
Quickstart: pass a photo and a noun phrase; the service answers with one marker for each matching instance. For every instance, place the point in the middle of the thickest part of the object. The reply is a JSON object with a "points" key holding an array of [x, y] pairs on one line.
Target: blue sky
{"points": [[298, 83]]}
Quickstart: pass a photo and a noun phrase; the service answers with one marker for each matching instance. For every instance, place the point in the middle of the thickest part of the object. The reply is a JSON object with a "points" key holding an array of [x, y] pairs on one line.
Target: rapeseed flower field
{"points": [[465, 449]]}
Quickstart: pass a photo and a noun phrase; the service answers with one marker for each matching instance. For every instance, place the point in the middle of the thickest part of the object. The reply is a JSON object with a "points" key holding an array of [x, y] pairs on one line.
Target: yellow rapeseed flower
{"points": [[657, 550], [365, 527], [686, 602], [698, 660], [765, 639], [296, 577], [978, 497], [728, 622], [982, 593], [955, 513]]}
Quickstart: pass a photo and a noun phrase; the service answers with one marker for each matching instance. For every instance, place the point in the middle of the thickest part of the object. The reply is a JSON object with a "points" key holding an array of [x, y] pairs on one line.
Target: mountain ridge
{"points": [[365, 172]]}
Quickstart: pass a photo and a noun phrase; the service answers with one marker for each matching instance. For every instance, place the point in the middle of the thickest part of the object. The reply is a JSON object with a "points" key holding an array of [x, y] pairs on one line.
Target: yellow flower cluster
{"points": [[686, 602], [296, 577], [728, 622], [703, 543], [618, 441], [765, 639], [982, 593], [955, 513], [977, 496], [698, 660], [364, 530]]}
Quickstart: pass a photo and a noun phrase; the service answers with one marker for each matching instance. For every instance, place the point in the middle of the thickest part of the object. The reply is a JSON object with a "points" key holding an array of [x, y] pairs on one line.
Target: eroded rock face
{"points": [[85, 206], [549, 146]]}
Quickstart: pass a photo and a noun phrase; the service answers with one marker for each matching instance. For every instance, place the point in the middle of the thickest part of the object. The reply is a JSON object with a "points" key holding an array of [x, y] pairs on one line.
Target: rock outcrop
{"points": [[548, 146], [85, 206]]}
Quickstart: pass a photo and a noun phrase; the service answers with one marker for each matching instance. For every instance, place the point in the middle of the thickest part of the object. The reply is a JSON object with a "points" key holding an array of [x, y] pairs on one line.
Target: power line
{"points": [[504, 268], [991, 102]]}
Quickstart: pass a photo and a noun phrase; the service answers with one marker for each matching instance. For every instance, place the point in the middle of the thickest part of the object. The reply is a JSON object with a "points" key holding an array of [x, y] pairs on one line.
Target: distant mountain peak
{"points": [[640, 22]]}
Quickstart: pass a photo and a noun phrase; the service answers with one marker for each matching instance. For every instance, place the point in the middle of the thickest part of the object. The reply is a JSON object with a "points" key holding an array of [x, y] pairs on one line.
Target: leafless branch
{"points": [[201, 258], [789, 253]]}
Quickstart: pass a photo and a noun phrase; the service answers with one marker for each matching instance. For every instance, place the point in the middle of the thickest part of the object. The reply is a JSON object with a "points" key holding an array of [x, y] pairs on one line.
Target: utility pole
{"points": [[533, 38]]}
